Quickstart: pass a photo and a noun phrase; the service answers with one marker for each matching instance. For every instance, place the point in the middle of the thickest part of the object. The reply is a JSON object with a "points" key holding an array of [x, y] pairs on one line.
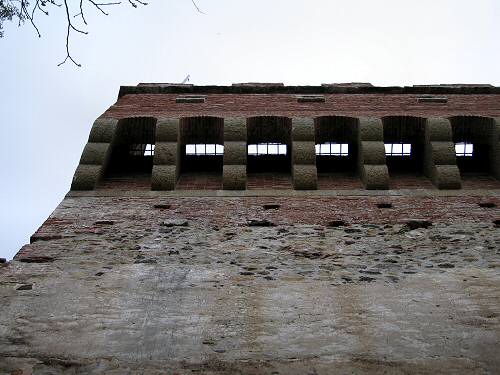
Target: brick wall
{"points": [[246, 105]]}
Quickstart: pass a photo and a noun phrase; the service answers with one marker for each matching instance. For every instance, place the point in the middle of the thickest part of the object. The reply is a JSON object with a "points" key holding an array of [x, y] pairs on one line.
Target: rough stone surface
{"points": [[375, 177], [103, 130], [219, 296], [305, 177], [234, 177], [163, 177], [86, 176]]}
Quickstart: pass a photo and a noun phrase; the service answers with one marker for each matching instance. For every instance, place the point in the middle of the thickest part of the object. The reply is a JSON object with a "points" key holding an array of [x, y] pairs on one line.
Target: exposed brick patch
{"points": [[223, 211], [138, 181], [200, 181], [339, 181], [479, 181], [271, 181], [409, 181]]}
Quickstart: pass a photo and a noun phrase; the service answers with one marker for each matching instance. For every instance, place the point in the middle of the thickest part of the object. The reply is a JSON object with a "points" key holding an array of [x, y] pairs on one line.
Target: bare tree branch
{"points": [[196, 6], [27, 10], [69, 27]]}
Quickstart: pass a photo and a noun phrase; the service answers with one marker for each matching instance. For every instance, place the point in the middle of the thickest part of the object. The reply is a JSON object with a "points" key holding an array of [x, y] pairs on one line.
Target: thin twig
{"points": [[196, 6]]}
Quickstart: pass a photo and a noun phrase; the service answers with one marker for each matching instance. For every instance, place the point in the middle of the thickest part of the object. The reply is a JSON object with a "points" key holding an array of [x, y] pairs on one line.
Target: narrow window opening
{"points": [[267, 149], [404, 142], [205, 149], [310, 98], [464, 149], [336, 152], [475, 142], [269, 152], [332, 149], [398, 149], [190, 99], [201, 153], [141, 149], [432, 99], [131, 159]]}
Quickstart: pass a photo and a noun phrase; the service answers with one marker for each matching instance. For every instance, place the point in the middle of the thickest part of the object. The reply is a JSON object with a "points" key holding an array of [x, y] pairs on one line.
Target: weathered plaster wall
{"points": [[271, 284]]}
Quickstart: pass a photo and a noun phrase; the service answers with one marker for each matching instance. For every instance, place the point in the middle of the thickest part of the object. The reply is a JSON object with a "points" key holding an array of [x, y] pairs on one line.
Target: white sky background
{"points": [[46, 111]]}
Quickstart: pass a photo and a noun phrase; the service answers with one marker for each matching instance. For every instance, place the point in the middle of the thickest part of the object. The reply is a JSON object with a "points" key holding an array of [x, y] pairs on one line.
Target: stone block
{"points": [[165, 153], [303, 129], [496, 130], [438, 130], [235, 129], [371, 129], [167, 130], [234, 177], [103, 130], [235, 153], [86, 177], [305, 177], [495, 160], [303, 153], [375, 177], [447, 177], [95, 153], [372, 152], [442, 153], [163, 177]]}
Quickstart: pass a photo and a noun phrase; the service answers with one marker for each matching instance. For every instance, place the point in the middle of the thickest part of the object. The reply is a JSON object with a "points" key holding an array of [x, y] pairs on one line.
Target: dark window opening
{"points": [[336, 152], [404, 139], [131, 159], [472, 136], [269, 159], [201, 153], [404, 144], [269, 144]]}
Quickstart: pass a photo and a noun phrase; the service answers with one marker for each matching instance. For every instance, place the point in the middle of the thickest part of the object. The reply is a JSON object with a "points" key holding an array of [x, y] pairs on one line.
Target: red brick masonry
{"points": [[65, 221], [247, 105]]}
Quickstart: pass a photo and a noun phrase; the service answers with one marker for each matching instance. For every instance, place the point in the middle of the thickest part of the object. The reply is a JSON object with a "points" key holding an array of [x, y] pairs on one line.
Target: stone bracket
{"points": [[234, 170], [166, 161], [372, 166], [96, 154], [440, 162], [304, 172]]}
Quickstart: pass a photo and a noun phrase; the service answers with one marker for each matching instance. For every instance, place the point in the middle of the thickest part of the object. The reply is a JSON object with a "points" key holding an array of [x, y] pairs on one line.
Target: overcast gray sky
{"points": [[47, 111]]}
